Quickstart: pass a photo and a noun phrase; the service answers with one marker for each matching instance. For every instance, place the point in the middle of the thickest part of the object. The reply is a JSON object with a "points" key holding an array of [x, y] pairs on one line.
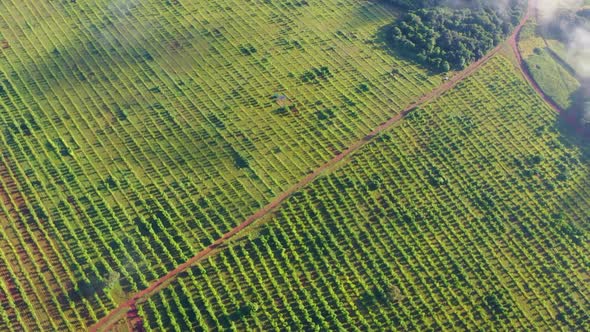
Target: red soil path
{"points": [[569, 117], [134, 321], [513, 40], [119, 313]]}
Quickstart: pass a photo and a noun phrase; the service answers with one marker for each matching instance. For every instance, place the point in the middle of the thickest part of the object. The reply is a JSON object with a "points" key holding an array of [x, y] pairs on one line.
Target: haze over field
{"points": [[578, 43], [579, 50]]}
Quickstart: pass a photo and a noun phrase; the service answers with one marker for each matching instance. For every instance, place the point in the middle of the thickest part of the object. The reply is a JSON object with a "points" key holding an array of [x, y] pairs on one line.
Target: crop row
{"points": [[135, 133], [472, 214]]}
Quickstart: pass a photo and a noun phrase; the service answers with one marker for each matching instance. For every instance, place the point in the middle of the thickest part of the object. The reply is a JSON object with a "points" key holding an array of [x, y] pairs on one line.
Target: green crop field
{"points": [[472, 214], [134, 133]]}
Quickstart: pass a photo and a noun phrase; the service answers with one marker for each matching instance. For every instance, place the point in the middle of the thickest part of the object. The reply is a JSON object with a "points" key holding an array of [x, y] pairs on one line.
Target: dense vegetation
{"points": [[444, 37], [471, 215], [418, 4]]}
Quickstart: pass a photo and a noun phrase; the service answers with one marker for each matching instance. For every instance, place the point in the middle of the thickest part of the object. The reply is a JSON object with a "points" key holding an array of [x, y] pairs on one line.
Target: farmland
{"points": [[471, 214], [135, 133]]}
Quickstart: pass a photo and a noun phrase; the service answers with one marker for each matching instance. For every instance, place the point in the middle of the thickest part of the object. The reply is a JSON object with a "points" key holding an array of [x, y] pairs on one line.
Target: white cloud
{"points": [[578, 38], [579, 50]]}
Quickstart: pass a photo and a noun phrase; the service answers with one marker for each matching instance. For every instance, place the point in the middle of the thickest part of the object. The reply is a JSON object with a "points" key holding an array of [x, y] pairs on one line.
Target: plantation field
{"points": [[134, 133], [471, 214]]}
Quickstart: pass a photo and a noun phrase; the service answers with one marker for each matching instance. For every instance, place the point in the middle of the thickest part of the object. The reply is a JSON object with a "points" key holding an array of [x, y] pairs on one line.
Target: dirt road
{"points": [[513, 40], [119, 312]]}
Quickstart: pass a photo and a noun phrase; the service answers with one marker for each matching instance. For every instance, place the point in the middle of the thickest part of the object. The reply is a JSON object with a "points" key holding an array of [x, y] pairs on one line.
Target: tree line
{"points": [[444, 35]]}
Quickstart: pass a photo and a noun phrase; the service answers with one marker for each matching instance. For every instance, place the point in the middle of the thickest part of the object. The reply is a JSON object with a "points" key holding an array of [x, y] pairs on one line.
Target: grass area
{"points": [[553, 78], [529, 40], [556, 81], [472, 214], [558, 47], [569, 58], [133, 133]]}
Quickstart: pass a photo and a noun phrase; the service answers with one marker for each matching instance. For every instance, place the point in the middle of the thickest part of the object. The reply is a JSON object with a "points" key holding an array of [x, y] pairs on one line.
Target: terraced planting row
{"points": [[134, 133], [472, 214]]}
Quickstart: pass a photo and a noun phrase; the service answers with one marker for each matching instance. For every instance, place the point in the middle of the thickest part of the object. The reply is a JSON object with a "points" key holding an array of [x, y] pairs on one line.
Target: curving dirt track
{"points": [[513, 40], [119, 313]]}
